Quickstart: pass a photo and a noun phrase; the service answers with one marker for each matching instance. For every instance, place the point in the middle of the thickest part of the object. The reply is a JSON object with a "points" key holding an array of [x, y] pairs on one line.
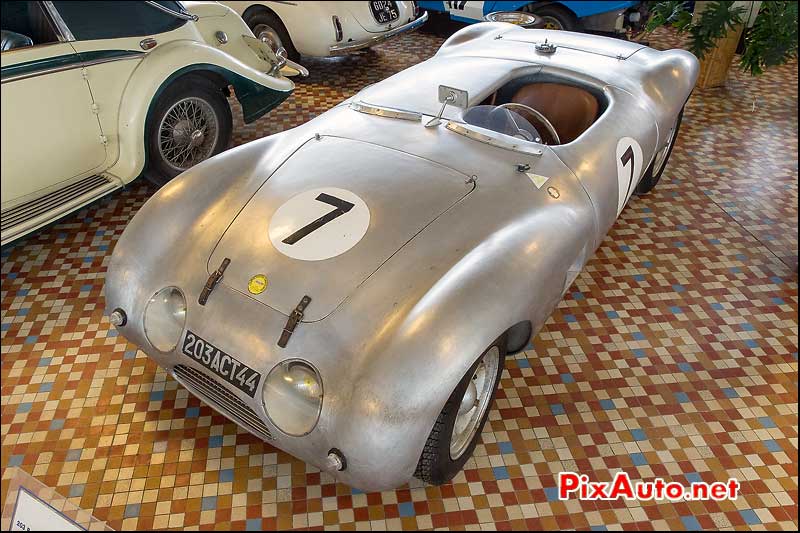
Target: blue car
{"points": [[598, 17]]}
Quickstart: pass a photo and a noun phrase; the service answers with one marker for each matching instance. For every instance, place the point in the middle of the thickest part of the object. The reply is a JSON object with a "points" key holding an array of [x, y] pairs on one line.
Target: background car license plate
{"points": [[223, 365], [384, 11]]}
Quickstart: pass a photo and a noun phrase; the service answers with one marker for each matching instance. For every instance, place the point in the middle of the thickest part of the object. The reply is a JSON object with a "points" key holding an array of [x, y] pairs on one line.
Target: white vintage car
{"points": [[328, 28], [96, 93]]}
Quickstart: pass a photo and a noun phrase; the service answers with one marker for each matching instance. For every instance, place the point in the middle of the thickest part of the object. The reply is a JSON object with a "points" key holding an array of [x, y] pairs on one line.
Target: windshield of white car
{"points": [[182, 14]]}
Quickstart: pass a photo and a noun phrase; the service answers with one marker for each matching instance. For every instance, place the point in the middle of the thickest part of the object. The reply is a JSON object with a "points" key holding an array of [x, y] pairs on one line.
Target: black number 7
{"points": [[341, 207], [626, 158]]}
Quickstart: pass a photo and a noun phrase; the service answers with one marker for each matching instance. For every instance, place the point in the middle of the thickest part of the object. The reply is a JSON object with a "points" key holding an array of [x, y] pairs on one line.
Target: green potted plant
{"points": [[714, 30]]}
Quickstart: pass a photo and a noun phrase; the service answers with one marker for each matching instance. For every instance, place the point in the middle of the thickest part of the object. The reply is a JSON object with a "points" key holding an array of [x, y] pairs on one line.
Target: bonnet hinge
{"points": [[294, 319], [212, 281]]}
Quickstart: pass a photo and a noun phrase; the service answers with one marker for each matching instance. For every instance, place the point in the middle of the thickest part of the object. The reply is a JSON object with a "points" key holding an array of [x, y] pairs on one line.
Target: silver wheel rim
{"points": [[188, 133], [474, 403], [268, 35], [661, 157]]}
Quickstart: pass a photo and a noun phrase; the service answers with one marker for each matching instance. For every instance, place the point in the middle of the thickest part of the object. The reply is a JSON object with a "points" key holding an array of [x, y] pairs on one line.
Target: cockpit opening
{"points": [[556, 110]]}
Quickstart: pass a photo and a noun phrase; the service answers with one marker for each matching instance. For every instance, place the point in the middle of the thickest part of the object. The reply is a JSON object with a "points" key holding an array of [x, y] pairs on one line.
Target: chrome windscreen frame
{"points": [[494, 139], [63, 31], [388, 112]]}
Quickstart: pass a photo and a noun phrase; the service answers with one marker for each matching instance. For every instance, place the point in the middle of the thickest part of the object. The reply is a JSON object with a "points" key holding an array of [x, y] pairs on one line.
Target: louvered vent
{"points": [[224, 401]]}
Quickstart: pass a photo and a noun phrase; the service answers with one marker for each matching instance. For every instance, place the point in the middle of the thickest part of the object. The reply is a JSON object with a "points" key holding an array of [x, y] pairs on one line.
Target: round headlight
{"points": [[293, 397], [164, 318]]}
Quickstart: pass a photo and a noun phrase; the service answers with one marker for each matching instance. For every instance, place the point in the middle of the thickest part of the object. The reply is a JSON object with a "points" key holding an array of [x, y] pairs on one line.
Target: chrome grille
{"points": [[221, 399]]}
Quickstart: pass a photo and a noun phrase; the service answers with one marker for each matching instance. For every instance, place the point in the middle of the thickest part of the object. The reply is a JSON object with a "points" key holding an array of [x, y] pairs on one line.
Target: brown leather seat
{"points": [[570, 109]]}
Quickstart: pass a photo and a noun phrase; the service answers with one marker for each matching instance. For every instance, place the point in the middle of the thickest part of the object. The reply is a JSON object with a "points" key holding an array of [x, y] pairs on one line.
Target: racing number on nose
{"points": [[329, 234], [340, 208]]}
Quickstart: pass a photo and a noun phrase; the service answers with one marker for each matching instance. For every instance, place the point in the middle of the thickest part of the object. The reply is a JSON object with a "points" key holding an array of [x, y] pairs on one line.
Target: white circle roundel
{"points": [[319, 224]]}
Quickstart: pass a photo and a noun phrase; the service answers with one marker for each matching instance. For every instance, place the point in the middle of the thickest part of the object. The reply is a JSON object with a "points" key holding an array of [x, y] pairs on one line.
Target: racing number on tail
{"points": [[626, 158], [456, 5], [340, 208], [629, 169]]}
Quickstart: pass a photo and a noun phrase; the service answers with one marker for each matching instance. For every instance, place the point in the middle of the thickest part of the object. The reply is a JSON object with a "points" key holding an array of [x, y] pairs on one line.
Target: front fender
{"points": [[181, 223], [433, 308], [257, 92]]}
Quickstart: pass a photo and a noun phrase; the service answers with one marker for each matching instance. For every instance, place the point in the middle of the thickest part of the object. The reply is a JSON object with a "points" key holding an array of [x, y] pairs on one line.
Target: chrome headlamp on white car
{"points": [[293, 397], [164, 318]]}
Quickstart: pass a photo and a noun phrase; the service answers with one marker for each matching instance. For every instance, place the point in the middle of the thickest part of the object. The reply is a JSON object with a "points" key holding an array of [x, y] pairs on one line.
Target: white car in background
{"points": [[96, 93], [328, 28]]}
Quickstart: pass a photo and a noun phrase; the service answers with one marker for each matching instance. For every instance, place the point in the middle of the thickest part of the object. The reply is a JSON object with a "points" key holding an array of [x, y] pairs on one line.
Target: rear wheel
{"points": [[653, 173], [553, 17], [191, 122], [268, 28], [459, 424]]}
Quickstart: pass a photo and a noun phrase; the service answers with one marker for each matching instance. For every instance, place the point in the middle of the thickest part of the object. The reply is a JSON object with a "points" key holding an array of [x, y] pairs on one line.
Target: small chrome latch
{"points": [[294, 319], [212, 281], [523, 167], [221, 36], [545, 47]]}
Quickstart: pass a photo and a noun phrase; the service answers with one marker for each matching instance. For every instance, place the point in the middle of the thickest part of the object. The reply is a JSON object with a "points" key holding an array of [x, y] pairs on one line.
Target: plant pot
{"points": [[716, 63]]}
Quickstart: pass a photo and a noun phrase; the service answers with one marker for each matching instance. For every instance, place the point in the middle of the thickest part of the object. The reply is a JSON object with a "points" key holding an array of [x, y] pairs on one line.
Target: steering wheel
{"points": [[547, 124]]}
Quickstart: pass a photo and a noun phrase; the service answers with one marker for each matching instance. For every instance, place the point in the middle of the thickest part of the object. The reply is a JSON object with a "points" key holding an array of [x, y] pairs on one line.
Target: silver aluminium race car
{"points": [[348, 290]]}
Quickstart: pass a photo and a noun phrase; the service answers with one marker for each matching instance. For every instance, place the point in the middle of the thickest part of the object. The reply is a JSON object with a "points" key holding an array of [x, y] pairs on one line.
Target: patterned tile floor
{"points": [[674, 355]]}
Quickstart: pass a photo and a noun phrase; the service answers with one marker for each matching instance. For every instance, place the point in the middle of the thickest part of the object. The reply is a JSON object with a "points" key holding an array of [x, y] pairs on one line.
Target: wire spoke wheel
{"points": [[188, 133], [475, 402]]}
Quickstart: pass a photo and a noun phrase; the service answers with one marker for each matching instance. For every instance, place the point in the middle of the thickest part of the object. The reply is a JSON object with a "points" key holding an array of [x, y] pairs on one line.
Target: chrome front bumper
{"points": [[346, 48]]}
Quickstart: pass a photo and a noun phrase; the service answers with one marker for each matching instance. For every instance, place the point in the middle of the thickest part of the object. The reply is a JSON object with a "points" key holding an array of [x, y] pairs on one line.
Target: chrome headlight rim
{"points": [[174, 346], [265, 383], [518, 18]]}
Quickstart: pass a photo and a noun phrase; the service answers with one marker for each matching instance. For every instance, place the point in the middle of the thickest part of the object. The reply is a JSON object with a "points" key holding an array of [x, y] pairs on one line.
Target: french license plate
{"points": [[223, 365], [384, 11]]}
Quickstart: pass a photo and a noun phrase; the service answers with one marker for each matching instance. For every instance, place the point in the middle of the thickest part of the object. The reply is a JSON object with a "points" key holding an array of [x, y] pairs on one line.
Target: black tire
{"points": [[435, 465], [652, 175], [272, 20], [555, 14], [158, 171]]}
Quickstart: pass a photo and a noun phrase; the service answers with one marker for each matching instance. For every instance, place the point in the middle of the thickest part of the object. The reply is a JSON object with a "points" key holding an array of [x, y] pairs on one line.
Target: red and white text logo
{"points": [[572, 485]]}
